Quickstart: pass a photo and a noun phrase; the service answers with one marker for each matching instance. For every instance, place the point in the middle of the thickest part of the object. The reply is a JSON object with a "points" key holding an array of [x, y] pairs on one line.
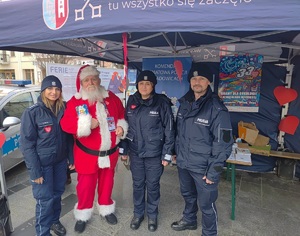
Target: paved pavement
{"points": [[265, 205]]}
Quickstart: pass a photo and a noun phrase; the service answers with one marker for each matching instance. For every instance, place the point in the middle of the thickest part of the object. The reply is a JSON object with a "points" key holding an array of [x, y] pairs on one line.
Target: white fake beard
{"points": [[92, 96]]}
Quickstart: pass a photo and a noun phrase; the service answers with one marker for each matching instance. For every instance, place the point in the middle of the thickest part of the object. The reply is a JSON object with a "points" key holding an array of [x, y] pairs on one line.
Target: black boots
{"points": [[136, 222], [80, 226]]}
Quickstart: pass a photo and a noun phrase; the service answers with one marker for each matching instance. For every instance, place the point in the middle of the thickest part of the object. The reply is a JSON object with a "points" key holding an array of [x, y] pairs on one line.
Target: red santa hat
{"points": [[83, 72]]}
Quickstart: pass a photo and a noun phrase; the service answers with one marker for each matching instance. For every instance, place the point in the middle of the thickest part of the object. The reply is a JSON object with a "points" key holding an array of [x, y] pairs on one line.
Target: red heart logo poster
{"points": [[285, 95], [2, 139], [179, 69], [289, 124]]}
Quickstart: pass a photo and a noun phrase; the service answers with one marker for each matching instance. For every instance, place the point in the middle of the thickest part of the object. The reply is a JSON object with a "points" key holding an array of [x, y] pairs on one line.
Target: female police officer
{"points": [[150, 143], [46, 148]]}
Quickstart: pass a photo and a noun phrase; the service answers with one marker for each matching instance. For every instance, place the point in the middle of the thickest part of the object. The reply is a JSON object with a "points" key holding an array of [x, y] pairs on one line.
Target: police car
{"points": [[15, 97]]}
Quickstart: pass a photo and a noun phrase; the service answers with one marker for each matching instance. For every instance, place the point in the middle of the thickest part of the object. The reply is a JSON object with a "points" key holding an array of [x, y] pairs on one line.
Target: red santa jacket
{"points": [[78, 123]]}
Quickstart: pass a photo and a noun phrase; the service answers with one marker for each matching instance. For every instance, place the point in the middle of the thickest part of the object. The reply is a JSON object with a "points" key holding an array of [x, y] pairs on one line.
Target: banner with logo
{"points": [[240, 79], [171, 73], [111, 79]]}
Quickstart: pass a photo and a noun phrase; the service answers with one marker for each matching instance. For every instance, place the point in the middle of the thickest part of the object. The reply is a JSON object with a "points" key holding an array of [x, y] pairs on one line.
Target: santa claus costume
{"points": [[95, 150]]}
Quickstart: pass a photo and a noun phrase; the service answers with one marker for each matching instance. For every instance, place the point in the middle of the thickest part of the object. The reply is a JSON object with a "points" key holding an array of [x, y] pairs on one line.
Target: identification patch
{"points": [[48, 129], [111, 124]]}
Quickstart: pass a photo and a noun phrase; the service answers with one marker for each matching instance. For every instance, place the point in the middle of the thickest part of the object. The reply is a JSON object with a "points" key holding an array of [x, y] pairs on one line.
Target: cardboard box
{"points": [[261, 140], [247, 132]]}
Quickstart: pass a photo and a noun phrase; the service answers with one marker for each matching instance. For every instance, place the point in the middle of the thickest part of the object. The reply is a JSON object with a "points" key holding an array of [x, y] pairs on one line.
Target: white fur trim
{"points": [[123, 123], [84, 125], [78, 95], [84, 214], [104, 162], [105, 210], [104, 131], [87, 71]]}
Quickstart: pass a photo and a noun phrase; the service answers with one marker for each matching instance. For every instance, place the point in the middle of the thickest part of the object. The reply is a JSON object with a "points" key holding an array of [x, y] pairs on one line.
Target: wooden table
{"points": [[232, 163], [287, 155]]}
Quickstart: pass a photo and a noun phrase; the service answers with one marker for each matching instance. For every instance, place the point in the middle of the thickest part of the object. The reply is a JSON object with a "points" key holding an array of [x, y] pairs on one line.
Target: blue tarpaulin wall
{"points": [[292, 141]]}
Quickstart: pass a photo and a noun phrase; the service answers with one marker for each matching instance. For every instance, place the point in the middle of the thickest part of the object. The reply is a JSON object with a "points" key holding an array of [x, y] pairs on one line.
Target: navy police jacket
{"points": [[204, 134], [42, 140], [151, 127]]}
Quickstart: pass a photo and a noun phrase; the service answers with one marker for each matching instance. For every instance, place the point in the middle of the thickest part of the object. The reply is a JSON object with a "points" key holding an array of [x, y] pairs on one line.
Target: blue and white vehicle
{"points": [[15, 97]]}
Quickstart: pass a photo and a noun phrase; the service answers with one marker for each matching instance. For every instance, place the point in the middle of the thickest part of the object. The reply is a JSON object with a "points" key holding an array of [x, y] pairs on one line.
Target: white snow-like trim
{"points": [[84, 125], [88, 71], [84, 214], [104, 162], [105, 210], [104, 131], [123, 123], [77, 95]]}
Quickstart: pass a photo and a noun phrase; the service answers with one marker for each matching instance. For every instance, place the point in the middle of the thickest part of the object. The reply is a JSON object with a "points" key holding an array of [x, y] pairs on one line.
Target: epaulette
{"points": [[164, 97], [218, 104], [33, 106]]}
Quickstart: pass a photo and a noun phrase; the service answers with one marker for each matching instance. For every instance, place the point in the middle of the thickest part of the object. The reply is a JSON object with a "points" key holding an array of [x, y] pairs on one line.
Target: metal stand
{"points": [[4, 189]]}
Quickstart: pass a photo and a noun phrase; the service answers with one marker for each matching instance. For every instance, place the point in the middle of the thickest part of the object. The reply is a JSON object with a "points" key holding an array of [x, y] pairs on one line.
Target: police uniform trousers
{"points": [[48, 196], [146, 173], [194, 188]]}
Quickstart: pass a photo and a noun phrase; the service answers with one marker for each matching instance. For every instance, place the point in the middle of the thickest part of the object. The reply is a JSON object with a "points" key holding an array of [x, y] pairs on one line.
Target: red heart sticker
{"points": [[289, 124], [48, 129], [285, 95], [2, 139]]}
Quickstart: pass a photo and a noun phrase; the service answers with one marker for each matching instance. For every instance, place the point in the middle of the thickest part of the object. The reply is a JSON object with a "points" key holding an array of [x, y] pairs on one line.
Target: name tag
{"points": [[111, 124]]}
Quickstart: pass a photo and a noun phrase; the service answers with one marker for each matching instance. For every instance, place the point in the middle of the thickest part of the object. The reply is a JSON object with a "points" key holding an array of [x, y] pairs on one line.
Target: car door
{"points": [[14, 106]]}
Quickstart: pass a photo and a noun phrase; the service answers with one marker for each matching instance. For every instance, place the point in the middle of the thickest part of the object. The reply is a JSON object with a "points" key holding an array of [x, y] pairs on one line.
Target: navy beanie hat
{"points": [[200, 70], [146, 75], [50, 81]]}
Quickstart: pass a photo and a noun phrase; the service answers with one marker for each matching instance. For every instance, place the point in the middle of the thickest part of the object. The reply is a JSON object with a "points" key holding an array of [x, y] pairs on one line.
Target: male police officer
{"points": [[203, 143]]}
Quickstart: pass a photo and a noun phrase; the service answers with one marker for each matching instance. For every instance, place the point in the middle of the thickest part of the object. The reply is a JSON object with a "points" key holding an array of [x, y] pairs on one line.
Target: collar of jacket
{"points": [[147, 102], [42, 105]]}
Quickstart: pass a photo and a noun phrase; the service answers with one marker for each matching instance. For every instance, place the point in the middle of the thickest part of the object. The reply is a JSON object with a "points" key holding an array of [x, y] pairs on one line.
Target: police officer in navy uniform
{"points": [[149, 144], [203, 143], [48, 152]]}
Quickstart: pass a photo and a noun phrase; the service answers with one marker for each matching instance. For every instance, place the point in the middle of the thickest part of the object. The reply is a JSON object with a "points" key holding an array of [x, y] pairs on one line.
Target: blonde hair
{"points": [[59, 103]]}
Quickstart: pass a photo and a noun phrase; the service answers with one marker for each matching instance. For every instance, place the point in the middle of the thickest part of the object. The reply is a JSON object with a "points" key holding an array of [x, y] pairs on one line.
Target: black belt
{"points": [[95, 152]]}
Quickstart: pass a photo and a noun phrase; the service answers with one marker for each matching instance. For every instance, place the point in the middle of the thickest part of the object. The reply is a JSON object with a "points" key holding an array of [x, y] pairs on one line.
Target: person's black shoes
{"points": [[111, 219], [80, 226], [152, 224], [183, 225], [136, 222], [58, 229]]}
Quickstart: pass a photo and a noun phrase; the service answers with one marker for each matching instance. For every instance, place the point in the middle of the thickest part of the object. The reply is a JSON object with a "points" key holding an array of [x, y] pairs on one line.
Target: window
{"points": [[29, 74], [12, 54], [27, 53], [16, 106]]}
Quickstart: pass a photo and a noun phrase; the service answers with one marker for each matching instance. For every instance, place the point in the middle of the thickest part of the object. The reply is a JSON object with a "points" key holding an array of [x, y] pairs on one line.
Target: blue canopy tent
{"points": [[159, 28]]}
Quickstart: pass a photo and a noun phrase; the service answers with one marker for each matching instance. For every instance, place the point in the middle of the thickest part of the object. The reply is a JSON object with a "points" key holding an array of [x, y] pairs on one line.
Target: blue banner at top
{"points": [[32, 21]]}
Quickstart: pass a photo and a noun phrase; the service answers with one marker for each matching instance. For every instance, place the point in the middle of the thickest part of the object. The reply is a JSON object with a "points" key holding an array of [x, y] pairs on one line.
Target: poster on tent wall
{"points": [[111, 78], [240, 79], [171, 73]]}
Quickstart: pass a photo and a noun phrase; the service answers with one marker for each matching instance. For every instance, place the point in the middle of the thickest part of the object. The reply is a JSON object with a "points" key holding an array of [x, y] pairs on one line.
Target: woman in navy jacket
{"points": [[150, 144], [46, 149]]}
